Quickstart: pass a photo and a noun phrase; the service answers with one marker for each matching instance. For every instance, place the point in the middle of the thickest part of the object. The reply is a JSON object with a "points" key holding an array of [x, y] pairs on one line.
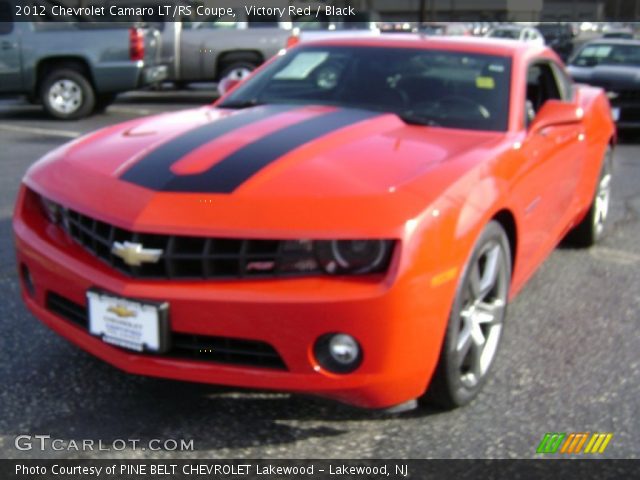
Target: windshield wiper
{"points": [[239, 104], [413, 118]]}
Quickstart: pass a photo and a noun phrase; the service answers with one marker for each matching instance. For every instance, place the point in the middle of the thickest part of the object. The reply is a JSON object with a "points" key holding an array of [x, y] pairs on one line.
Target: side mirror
{"points": [[556, 112], [227, 84]]}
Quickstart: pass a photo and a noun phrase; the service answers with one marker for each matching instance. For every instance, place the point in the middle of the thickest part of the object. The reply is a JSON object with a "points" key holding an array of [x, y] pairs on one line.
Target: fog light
{"points": [[27, 281], [338, 353]]}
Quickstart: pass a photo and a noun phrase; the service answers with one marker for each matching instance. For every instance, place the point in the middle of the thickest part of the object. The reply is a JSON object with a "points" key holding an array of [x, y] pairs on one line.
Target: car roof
{"points": [[486, 45], [614, 41]]}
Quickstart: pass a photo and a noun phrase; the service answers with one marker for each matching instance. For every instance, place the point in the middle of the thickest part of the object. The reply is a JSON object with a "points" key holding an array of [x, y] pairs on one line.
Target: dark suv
{"points": [[558, 36]]}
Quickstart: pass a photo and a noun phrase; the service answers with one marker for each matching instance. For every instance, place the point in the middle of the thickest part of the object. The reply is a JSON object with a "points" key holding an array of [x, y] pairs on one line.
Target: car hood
{"points": [[233, 168], [609, 77]]}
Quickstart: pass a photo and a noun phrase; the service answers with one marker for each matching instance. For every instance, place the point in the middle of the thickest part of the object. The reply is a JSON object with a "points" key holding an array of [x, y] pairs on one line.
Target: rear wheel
{"points": [[67, 94], [589, 231], [475, 323], [238, 70]]}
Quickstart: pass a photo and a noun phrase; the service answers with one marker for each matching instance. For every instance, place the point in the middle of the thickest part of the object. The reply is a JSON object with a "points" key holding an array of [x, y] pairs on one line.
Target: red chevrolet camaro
{"points": [[350, 221]]}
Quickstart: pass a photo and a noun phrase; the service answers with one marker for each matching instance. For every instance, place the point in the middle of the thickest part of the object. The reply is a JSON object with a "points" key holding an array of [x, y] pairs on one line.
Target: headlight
{"points": [[334, 257], [353, 256], [51, 210]]}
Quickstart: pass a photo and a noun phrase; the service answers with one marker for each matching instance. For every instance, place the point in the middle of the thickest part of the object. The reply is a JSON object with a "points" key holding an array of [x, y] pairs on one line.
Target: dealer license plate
{"points": [[130, 324]]}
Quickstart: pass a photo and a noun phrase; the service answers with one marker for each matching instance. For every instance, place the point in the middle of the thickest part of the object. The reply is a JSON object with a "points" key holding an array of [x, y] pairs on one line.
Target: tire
{"points": [[590, 230], [103, 102], [67, 94], [475, 323], [238, 70]]}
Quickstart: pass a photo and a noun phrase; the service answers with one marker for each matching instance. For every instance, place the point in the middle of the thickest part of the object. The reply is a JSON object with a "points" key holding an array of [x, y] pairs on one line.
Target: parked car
{"points": [[615, 66], [521, 33], [350, 221], [558, 36], [233, 44], [626, 34], [76, 68], [212, 50]]}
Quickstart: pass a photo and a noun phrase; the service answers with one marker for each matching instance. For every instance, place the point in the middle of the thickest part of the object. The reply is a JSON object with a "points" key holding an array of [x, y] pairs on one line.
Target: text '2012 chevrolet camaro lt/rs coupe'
{"points": [[350, 221]]}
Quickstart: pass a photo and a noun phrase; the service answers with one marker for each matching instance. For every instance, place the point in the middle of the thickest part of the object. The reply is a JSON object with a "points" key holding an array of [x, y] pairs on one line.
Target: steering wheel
{"points": [[454, 103]]}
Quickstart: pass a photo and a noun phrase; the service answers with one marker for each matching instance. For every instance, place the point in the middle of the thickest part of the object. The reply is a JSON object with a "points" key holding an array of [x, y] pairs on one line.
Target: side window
{"points": [[542, 85], [6, 18]]}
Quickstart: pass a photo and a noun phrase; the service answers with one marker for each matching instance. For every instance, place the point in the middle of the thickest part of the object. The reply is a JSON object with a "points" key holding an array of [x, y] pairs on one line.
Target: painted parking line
{"points": [[130, 110], [39, 131]]}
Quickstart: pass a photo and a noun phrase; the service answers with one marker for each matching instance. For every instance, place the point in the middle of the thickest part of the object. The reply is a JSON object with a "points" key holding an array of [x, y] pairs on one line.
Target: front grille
{"points": [[628, 95], [65, 308], [226, 350], [630, 114], [195, 258]]}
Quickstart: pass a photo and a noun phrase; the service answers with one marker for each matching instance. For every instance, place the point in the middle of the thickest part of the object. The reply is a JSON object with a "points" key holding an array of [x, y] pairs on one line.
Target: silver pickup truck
{"points": [[200, 46], [210, 50], [74, 69]]}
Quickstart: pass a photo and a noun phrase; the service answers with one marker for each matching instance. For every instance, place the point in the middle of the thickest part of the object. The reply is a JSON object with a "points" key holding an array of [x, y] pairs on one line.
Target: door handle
{"points": [[6, 45]]}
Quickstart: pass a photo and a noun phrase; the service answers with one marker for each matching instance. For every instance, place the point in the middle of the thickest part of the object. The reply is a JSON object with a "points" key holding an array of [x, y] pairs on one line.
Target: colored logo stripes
{"points": [[573, 443]]}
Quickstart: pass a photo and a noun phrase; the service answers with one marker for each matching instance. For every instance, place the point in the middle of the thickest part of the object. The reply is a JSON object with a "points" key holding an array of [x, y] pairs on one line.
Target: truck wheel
{"points": [[67, 94], [238, 70]]}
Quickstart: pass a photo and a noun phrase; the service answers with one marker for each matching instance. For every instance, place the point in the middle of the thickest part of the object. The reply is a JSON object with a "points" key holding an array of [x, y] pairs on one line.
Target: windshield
{"points": [[426, 87], [607, 54]]}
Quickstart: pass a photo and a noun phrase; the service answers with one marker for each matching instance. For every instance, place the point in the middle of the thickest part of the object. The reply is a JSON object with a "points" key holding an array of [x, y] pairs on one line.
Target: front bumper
{"points": [[626, 110], [398, 323]]}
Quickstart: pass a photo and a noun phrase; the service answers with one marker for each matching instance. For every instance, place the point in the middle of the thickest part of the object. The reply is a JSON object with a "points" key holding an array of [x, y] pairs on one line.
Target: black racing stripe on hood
{"points": [[233, 170], [153, 170]]}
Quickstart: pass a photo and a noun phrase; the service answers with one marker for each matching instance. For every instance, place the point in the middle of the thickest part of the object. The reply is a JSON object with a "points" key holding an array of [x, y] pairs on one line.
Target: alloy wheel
{"points": [[484, 300]]}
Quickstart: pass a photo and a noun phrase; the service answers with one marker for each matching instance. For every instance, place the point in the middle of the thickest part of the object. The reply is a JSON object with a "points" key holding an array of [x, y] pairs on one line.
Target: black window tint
{"points": [[446, 88]]}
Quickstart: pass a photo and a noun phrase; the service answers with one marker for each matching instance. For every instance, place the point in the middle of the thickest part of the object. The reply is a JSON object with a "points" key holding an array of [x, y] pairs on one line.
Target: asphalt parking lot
{"points": [[570, 358]]}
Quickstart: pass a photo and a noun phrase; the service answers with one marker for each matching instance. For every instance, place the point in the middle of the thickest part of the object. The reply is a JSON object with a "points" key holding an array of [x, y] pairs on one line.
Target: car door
{"points": [[10, 68], [552, 158]]}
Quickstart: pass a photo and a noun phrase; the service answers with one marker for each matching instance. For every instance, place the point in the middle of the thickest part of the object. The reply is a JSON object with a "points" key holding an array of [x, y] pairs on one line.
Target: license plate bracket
{"points": [[128, 323]]}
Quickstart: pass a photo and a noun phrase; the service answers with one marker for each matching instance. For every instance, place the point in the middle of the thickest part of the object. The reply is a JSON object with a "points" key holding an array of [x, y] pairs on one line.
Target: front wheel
{"points": [[475, 323]]}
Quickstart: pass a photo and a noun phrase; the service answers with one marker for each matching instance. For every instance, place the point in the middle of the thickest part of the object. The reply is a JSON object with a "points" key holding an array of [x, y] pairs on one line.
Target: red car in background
{"points": [[350, 221]]}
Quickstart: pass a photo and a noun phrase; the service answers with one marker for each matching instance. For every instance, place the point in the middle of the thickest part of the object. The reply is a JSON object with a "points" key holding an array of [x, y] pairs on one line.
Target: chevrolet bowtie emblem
{"points": [[135, 254], [121, 311]]}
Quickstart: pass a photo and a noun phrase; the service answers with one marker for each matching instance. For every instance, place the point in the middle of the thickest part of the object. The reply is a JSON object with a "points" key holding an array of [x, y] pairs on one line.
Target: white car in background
{"points": [[520, 33]]}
